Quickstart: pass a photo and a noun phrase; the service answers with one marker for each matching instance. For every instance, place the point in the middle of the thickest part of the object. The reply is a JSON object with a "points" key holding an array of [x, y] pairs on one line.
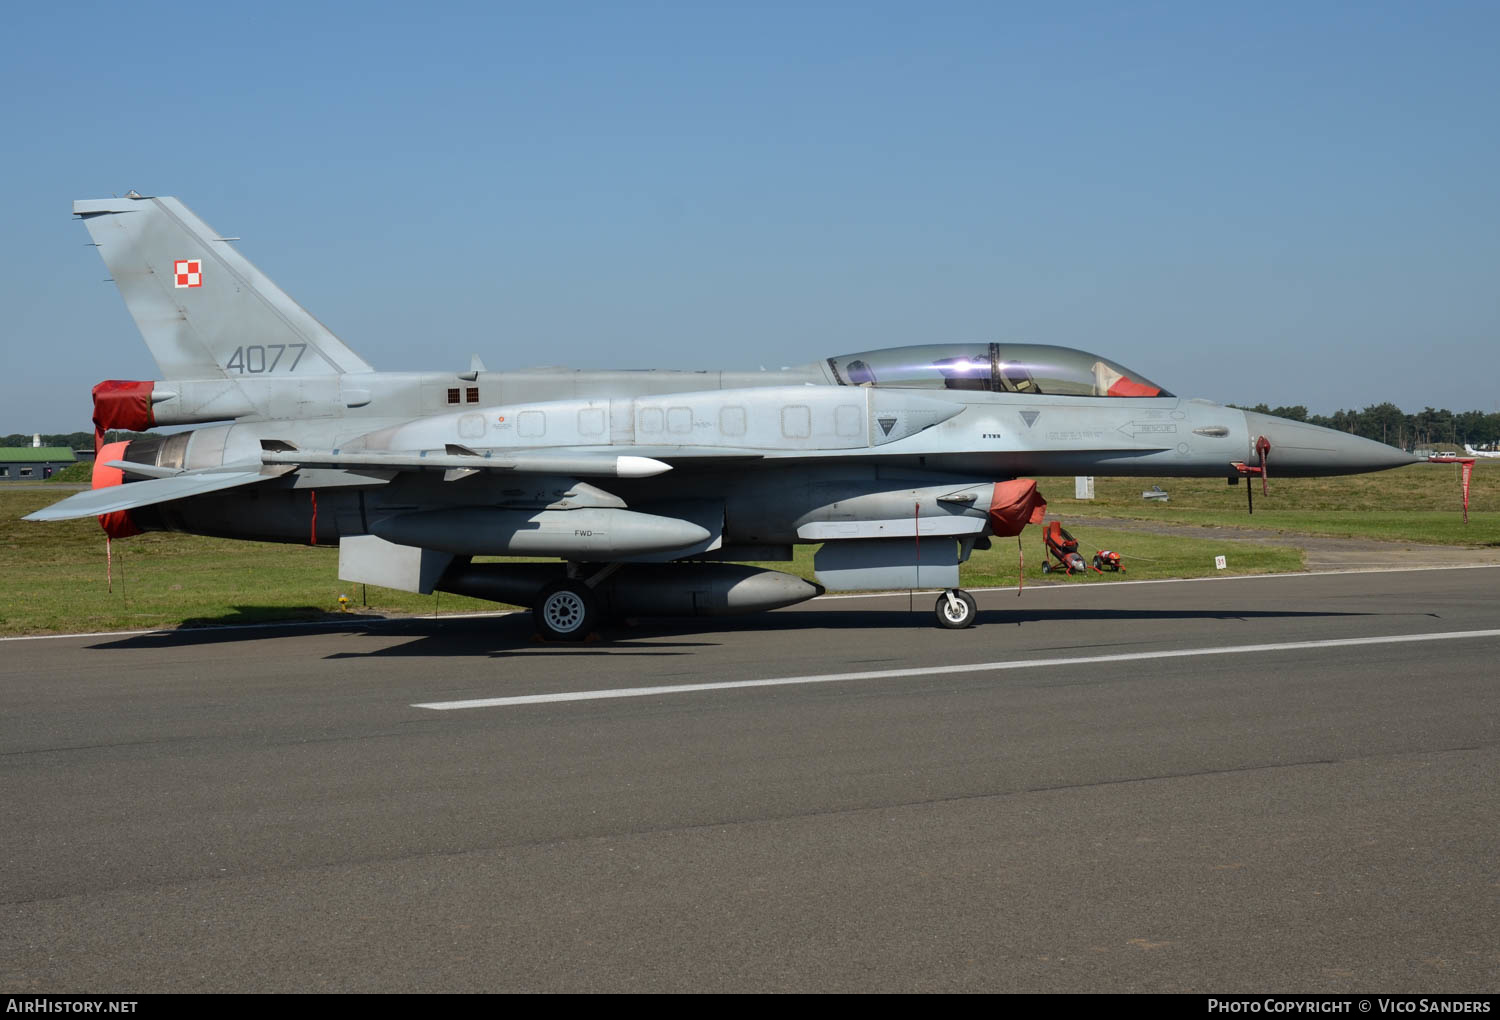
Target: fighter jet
{"points": [[647, 490]]}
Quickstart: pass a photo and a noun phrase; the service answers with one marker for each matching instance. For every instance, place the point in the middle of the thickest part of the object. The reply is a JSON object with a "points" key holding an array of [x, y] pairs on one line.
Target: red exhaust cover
{"points": [[1015, 504], [117, 524]]}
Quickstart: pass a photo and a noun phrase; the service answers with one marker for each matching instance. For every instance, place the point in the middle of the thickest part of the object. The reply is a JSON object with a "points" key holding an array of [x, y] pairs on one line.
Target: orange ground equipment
{"points": [[1062, 547], [1105, 559]]}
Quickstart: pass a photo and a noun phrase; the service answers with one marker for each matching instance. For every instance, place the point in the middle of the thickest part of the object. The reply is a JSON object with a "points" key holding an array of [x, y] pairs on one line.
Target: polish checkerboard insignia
{"points": [[188, 272]]}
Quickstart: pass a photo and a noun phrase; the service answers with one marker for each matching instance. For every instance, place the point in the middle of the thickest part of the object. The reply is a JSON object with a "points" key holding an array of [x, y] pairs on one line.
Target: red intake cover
{"points": [[117, 524], [121, 404], [1013, 505]]}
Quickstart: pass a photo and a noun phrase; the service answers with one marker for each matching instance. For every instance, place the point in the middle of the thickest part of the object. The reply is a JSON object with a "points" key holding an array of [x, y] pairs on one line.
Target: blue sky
{"points": [[1293, 203]]}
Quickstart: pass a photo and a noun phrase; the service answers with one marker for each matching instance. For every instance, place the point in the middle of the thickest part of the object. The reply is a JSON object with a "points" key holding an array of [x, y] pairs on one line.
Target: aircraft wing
{"points": [[138, 494], [162, 485]]}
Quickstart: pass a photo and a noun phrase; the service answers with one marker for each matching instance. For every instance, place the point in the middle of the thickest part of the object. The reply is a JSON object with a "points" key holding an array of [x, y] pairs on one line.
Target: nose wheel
{"points": [[955, 609]]}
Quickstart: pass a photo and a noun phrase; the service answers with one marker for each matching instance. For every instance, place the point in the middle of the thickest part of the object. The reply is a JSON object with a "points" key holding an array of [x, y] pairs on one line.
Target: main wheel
{"points": [[1046, 567], [1098, 562], [566, 611], [957, 614]]}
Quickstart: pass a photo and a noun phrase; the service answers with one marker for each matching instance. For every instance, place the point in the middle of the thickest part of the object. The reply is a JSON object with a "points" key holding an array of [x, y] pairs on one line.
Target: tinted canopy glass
{"points": [[998, 368]]}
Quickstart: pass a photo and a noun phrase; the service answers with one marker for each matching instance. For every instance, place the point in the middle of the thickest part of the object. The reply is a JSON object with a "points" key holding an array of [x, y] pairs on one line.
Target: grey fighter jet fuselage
{"points": [[645, 485]]}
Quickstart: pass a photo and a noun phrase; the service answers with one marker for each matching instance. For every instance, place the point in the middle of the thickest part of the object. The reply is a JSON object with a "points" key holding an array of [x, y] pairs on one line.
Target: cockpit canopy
{"points": [[1000, 368]]}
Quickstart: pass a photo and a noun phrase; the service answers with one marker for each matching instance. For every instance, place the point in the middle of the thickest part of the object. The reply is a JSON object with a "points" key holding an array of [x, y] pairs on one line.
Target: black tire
{"points": [[959, 617], [1099, 563], [1046, 568], [566, 611]]}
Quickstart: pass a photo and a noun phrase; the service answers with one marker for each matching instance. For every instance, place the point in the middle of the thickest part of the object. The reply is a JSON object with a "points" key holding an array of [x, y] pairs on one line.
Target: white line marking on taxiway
{"points": [[977, 667]]}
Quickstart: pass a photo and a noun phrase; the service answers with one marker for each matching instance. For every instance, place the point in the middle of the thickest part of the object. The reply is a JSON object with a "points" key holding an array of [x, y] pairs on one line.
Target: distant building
{"points": [[33, 463]]}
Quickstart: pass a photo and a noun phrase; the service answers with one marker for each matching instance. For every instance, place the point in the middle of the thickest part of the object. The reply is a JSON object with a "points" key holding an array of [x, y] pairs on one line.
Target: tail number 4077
{"points": [[257, 359]]}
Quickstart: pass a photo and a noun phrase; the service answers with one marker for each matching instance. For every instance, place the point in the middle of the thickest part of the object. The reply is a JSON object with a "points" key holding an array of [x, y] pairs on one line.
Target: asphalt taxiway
{"points": [[1252, 784]]}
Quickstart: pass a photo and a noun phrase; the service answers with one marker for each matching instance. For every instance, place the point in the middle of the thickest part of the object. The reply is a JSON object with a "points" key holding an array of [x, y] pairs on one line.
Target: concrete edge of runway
{"points": [[355, 619]]}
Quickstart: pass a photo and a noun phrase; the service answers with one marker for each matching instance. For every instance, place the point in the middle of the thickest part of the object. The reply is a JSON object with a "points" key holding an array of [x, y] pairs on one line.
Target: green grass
{"points": [[1145, 557], [1422, 503], [52, 576]]}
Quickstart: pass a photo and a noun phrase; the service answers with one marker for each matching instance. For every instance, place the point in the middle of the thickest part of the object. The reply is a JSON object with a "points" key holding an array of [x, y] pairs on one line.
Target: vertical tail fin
{"points": [[204, 311]]}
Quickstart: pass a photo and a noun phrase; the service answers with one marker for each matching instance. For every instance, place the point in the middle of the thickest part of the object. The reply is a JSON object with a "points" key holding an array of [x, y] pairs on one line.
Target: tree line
{"points": [[72, 440], [1388, 424]]}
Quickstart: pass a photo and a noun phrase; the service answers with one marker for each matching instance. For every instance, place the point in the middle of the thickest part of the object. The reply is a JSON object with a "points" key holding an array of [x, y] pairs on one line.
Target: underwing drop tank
{"points": [[669, 589], [584, 534]]}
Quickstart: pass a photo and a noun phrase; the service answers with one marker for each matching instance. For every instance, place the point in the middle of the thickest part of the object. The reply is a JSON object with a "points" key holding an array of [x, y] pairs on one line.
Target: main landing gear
{"points": [[955, 609], [568, 609]]}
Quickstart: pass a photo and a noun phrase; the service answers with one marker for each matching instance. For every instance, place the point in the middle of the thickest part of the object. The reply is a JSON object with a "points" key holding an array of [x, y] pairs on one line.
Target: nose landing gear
{"points": [[955, 609]]}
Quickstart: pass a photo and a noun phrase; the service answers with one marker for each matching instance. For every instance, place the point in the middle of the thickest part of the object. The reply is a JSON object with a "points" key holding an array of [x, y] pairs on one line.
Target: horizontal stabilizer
{"points": [[138, 494]]}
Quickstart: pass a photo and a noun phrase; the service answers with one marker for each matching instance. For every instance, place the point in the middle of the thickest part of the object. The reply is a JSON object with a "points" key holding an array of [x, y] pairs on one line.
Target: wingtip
{"points": [[47, 515]]}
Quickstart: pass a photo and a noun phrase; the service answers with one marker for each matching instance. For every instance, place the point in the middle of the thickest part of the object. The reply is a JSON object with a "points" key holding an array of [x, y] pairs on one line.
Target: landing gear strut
{"points": [[955, 609], [568, 610]]}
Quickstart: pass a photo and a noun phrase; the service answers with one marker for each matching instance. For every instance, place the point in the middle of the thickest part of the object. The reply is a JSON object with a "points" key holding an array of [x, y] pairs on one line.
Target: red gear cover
{"points": [[1015, 504]]}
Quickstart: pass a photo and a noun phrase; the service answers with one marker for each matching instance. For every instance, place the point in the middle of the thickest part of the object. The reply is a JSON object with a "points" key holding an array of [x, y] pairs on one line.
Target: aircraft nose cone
{"points": [[1298, 448]]}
